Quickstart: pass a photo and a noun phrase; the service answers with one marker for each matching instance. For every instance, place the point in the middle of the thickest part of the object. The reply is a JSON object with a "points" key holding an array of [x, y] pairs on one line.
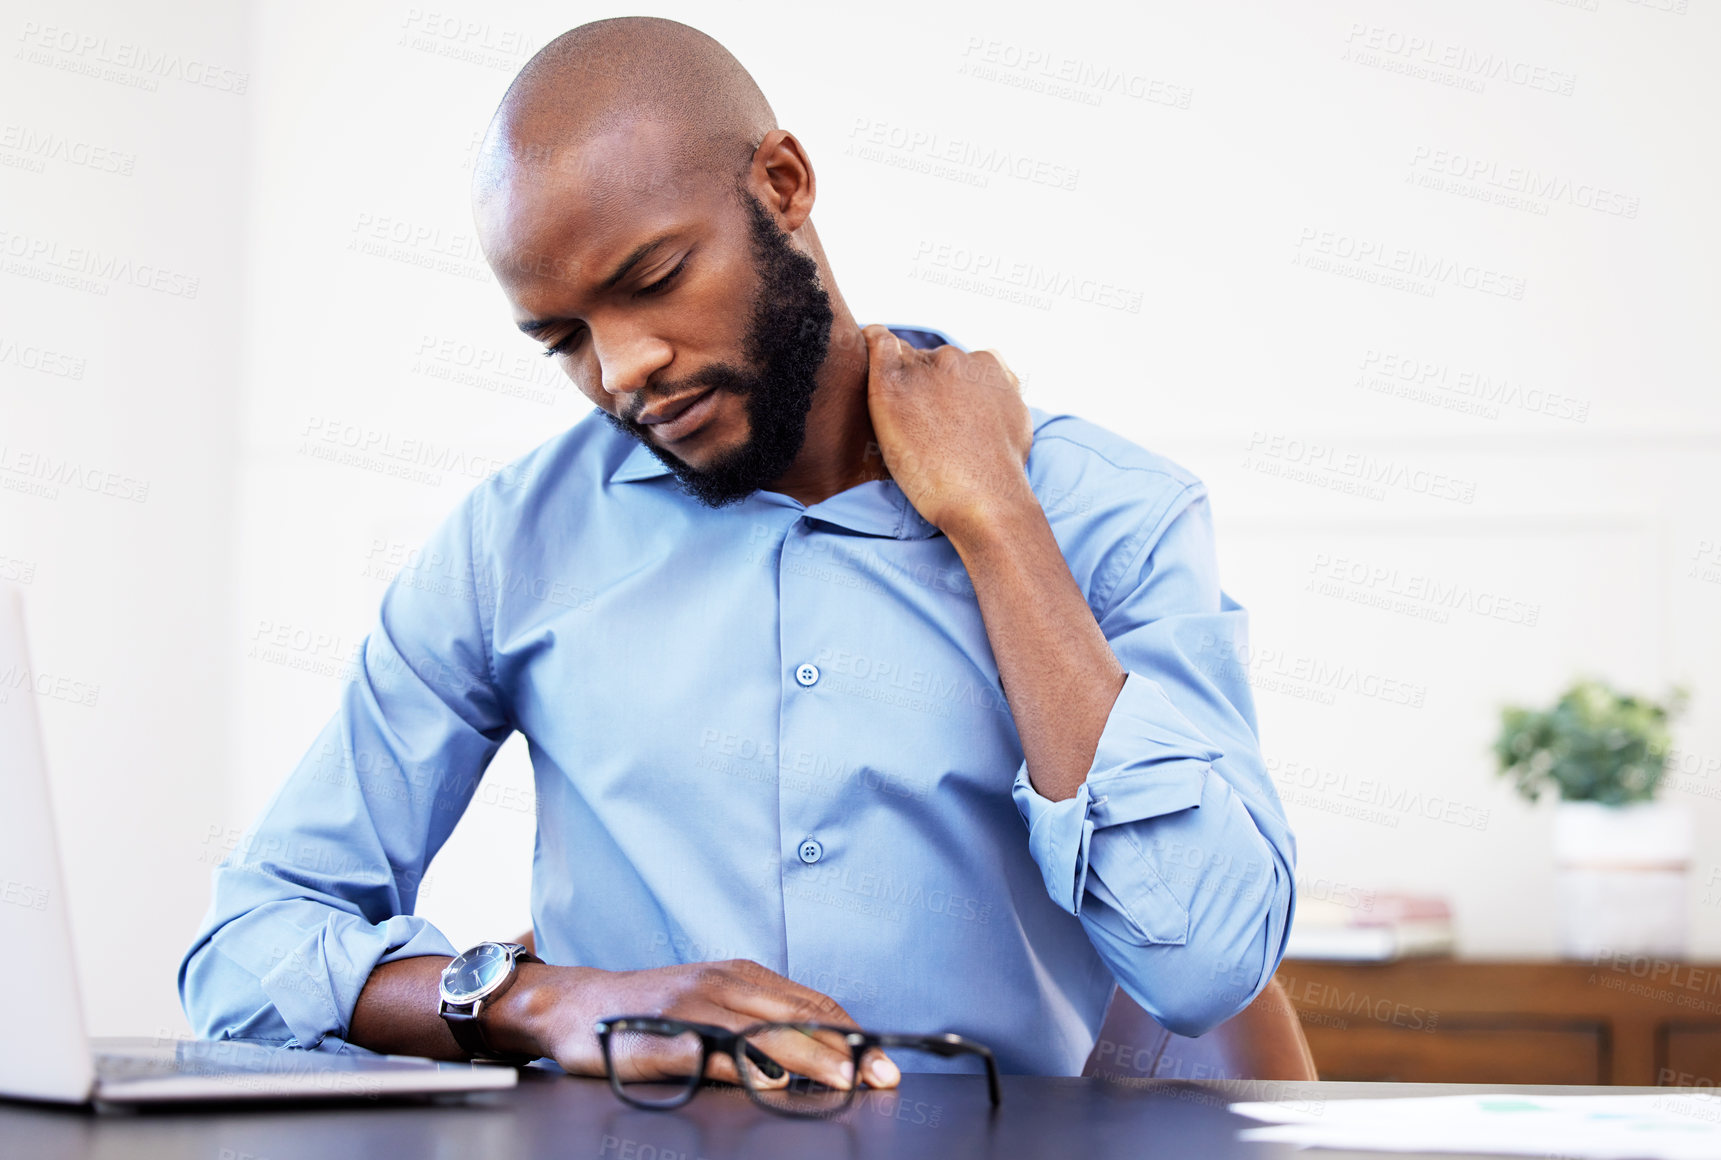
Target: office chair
{"points": [[1264, 1041]]}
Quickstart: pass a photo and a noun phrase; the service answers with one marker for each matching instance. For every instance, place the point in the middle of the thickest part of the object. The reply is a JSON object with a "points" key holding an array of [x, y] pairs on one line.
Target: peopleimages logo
{"points": [[1308, 676], [1360, 467], [88, 268], [122, 61], [29, 357], [1313, 999], [42, 473], [1430, 381], [939, 155], [44, 684], [980, 271], [1425, 58], [1532, 184], [1341, 253], [1071, 78], [419, 459], [1306, 784], [1413, 593], [36, 148]]}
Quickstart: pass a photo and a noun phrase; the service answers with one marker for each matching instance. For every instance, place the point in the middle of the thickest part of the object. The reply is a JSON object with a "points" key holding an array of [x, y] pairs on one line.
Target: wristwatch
{"points": [[470, 983]]}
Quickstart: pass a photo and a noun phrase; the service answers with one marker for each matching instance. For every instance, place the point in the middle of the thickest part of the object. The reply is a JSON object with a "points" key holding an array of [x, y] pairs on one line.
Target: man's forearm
{"points": [[397, 1011], [1060, 676]]}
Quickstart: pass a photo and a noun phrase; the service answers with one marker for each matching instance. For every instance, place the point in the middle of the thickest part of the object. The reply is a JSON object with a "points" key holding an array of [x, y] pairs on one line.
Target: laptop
{"points": [[44, 1051]]}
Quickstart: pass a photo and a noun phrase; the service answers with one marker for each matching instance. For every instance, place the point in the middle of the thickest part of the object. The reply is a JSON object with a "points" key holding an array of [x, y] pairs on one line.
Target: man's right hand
{"points": [[549, 1012]]}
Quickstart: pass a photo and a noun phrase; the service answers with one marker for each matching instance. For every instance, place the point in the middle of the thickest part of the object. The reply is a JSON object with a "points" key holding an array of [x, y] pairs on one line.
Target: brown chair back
{"points": [[1264, 1041]]}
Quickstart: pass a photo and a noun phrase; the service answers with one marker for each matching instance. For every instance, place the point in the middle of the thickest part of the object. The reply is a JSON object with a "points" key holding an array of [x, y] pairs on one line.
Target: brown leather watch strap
{"points": [[467, 1033]]}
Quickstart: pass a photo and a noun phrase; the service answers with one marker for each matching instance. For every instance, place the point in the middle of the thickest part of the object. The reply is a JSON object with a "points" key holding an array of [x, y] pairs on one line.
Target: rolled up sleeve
{"points": [[1174, 852], [321, 889]]}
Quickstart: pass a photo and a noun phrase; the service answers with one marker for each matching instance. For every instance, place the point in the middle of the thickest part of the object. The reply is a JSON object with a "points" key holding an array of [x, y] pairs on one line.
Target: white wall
{"points": [[1246, 140], [122, 147]]}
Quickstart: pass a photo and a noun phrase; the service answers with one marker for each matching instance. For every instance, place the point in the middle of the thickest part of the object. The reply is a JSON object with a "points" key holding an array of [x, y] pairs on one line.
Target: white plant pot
{"points": [[1622, 878]]}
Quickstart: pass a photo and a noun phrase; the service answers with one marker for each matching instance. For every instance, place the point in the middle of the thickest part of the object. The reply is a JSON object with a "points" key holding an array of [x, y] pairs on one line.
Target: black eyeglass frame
{"points": [[726, 1042]]}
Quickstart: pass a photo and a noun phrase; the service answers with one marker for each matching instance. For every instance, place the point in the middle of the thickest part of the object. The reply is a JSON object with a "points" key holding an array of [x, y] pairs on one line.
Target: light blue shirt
{"points": [[775, 731]]}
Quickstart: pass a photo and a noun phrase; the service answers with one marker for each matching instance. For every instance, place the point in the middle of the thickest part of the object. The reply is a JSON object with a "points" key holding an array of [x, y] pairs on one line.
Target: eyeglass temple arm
{"points": [[948, 1045], [771, 1068], [726, 1041]]}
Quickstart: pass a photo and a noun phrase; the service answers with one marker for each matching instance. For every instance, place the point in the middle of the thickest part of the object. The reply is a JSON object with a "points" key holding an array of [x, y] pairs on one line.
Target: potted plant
{"points": [[1623, 858]]}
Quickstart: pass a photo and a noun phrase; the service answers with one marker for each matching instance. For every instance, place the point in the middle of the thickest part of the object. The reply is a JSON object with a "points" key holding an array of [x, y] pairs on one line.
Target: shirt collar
{"points": [[876, 508], [637, 464]]}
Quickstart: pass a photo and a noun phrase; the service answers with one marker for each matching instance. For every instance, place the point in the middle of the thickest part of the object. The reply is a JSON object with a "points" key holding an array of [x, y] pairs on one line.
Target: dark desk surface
{"points": [[942, 1116]]}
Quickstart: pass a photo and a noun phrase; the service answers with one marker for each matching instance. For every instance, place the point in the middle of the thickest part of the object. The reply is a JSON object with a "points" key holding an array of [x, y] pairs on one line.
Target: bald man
{"points": [[857, 690]]}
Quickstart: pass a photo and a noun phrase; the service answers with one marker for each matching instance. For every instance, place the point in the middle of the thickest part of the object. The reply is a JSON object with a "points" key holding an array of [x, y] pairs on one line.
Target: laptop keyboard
{"points": [[225, 1059], [117, 1067], [234, 1058]]}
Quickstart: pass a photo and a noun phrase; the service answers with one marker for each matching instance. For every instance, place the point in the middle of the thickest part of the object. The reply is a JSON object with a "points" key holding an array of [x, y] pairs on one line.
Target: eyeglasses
{"points": [[794, 1069]]}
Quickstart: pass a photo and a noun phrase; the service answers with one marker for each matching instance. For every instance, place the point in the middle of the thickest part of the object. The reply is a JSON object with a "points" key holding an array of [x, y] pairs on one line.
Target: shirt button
{"points": [[811, 851], [807, 675]]}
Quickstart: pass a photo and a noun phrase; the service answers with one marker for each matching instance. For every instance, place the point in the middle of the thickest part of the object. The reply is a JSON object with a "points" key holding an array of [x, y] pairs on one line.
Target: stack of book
{"points": [[1382, 928]]}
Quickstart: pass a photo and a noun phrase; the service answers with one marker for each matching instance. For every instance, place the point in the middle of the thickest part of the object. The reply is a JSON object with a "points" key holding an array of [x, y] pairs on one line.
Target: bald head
{"points": [[609, 76], [649, 223]]}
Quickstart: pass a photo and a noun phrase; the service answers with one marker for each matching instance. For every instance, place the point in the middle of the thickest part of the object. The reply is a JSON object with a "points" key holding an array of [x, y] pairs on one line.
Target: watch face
{"points": [[474, 973]]}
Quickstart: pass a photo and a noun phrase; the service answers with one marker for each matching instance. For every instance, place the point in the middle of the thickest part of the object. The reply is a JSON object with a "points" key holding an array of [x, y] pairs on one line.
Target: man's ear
{"points": [[782, 178]]}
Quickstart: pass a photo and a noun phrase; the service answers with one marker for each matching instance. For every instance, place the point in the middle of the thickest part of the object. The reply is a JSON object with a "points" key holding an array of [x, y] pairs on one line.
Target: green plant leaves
{"points": [[1595, 745]]}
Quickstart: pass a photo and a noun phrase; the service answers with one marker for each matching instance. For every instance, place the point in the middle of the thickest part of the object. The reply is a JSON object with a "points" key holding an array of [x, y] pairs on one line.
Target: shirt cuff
{"points": [[1150, 761], [316, 985]]}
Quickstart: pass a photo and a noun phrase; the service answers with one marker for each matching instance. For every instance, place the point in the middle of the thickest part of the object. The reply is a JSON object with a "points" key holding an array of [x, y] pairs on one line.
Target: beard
{"points": [[787, 339]]}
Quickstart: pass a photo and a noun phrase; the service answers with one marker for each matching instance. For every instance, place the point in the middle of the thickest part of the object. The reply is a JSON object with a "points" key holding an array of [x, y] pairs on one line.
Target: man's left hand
{"points": [[952, 428]]}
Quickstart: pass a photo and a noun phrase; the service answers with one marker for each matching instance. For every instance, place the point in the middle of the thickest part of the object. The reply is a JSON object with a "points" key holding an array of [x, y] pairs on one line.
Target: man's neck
{"points": [[839, 450]]}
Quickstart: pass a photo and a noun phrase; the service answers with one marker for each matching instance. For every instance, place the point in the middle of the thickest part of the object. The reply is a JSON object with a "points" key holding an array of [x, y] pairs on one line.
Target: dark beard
{"points": [[787, 339]]}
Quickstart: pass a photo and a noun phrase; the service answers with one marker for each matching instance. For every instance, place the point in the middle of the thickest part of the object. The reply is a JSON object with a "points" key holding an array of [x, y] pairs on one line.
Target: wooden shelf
{"points": [[1625, 1020]]}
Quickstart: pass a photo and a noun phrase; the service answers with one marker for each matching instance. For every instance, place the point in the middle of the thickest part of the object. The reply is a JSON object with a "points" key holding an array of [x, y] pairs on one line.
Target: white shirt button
{"points": [[807, 676], [811, 851]]}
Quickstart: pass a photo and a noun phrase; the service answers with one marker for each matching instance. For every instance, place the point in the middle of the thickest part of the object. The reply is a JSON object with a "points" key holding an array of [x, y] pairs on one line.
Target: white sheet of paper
{"points": [[1681, 1125]]}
